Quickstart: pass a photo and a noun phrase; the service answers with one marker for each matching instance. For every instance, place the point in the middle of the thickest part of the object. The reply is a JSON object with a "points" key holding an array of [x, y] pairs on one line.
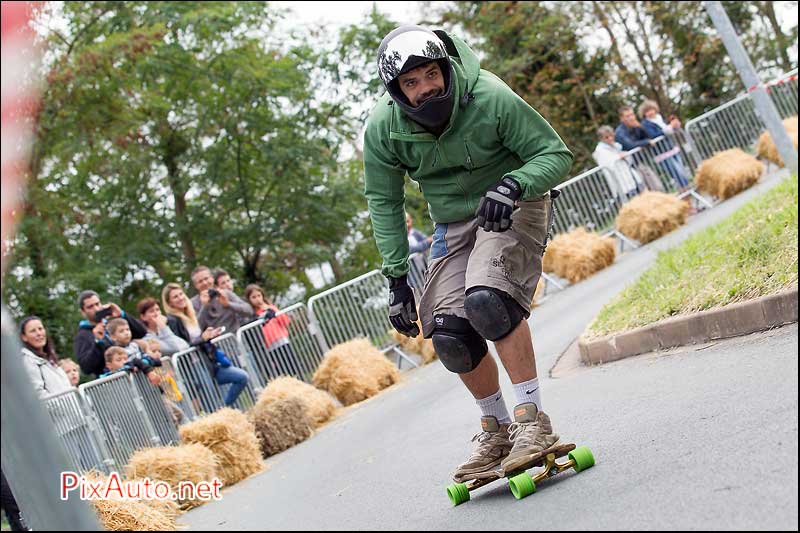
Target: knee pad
{"points": [[492, 312], [460, 348]]}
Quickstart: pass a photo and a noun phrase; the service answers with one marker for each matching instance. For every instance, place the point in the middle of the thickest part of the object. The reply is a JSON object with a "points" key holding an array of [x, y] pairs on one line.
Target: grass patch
{"points": [[750, 254]]}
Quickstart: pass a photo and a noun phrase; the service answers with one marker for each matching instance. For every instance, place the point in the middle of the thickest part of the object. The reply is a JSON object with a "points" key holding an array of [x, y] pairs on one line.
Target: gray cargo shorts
{"points": [[463, 256]]}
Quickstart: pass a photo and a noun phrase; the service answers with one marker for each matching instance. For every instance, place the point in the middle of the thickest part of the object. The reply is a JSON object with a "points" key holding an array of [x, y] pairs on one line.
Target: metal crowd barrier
{"points": [[417, 267], [355, 309], [297, 355], [736, 124], [174, 389], [78, 432], [161, 417], [594, 198], [121, 415], [201, 389]]}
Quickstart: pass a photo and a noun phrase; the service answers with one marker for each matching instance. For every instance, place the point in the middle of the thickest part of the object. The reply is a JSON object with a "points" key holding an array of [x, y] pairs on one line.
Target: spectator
{"points": [[168, 381], [224, 372], [222, 280], [218, 308], [622, 179], [91, 340], [120, 334], [631, 135], [417, 241], [181, 317], [40, 359], [667, 154], [138, 359], [158, 328], [649, 110], [276, 334], [418, 244], [71, 369], [116, 359]]}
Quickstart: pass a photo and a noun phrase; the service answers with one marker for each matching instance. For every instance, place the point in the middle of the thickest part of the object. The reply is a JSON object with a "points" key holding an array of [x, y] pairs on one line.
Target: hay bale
{"points": [[173, 465], [281, 423], [578, 254], [728, 173], [538, 292], [651, 215], [354, 371], [765, 147], [418, 345], [137, 515], [319, 405], [116, 514], [233, 440]]}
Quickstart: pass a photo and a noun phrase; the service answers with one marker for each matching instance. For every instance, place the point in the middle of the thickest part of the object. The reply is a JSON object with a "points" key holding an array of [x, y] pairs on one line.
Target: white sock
{"points": [[495, 406], [528, 392]]}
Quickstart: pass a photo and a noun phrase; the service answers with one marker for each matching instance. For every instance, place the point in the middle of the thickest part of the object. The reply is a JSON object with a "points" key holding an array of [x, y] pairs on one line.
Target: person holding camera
{"points": [[91, 340], [217, 307]]}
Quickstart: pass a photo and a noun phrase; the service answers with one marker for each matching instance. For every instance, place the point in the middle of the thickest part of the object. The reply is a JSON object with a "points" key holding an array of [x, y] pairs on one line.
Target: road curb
{"points": [[732, 320]]}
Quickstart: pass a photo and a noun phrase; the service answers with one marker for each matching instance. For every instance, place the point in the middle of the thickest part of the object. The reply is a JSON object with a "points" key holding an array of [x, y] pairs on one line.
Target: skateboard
{"points": [[520, 482]]}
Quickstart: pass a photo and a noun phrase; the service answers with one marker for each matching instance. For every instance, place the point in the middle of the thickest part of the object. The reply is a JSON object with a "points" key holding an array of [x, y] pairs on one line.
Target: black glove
{"points": [[402, 307], [494, 211]]}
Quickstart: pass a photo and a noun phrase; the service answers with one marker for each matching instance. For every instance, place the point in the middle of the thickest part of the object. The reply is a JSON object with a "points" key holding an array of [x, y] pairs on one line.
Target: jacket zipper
{"points": [[469, 157]]}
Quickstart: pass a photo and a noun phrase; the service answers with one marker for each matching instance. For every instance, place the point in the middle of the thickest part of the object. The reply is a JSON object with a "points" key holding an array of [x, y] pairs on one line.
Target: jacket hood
{"points": [[465, 70], [461, 53]]}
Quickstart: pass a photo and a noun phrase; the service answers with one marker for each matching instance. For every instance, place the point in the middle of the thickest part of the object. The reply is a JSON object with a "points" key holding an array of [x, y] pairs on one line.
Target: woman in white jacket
{"points": [[40, 360], [622, 179]]}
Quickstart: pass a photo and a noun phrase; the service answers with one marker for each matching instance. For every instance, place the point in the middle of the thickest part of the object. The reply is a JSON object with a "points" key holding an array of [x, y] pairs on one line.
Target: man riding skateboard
{"points": [[485, 162]]}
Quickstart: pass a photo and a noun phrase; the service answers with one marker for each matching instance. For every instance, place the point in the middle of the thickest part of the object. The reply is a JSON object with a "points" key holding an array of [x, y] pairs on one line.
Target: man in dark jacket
{"points": [[91, 340], [631, 134]]}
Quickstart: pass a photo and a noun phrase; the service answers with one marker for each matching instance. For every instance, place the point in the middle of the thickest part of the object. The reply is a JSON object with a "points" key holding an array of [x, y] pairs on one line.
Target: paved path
{"points": [[696, 438]]}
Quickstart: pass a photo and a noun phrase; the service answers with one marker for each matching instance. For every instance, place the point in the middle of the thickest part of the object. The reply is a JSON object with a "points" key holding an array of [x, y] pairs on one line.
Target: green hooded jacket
{"points": [[492, 133]]}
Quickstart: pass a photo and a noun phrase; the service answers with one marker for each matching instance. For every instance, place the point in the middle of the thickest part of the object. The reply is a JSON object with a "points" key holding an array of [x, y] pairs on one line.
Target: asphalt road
{"points": [[703, 437]]}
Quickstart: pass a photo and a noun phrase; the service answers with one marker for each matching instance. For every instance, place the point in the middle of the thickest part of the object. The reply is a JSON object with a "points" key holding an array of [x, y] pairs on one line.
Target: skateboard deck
{"points": [[520, 482]]}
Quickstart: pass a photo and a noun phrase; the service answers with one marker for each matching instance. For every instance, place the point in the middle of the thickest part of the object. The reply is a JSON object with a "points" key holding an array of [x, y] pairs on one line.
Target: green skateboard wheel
{"points": [[458, 493], [583, 458], [522, 485]]}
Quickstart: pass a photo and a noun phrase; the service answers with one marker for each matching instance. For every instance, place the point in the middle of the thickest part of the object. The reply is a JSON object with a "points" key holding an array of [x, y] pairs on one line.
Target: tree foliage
{"points": [[173, 134], [577, 62]]}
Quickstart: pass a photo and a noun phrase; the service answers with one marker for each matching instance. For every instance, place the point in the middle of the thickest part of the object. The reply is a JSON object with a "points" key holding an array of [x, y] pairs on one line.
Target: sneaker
{"points": [[493, 446], [531, 433]]}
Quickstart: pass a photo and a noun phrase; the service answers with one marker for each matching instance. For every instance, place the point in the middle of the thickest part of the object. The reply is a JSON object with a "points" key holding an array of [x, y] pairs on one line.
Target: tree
{"points": [[172, 134]]}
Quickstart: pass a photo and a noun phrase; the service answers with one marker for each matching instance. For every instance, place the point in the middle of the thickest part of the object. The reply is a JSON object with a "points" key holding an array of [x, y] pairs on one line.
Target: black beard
{"points": [[438, 93]]}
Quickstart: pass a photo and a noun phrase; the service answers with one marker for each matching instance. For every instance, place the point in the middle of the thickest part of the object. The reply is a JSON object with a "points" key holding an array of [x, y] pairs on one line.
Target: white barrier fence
{"points": [[355, 309], [737, 124], [283, 346], [77, 429]]}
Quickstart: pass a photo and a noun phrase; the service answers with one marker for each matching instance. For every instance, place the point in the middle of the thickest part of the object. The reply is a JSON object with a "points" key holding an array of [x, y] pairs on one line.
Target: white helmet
{"points": [[405, 49]]}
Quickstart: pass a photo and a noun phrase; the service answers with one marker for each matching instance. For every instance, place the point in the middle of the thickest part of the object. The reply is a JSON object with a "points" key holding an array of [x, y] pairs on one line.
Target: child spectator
{"points": [[168, 382], [72, 370], [276, 334], [120, 334], [117, 359]]}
